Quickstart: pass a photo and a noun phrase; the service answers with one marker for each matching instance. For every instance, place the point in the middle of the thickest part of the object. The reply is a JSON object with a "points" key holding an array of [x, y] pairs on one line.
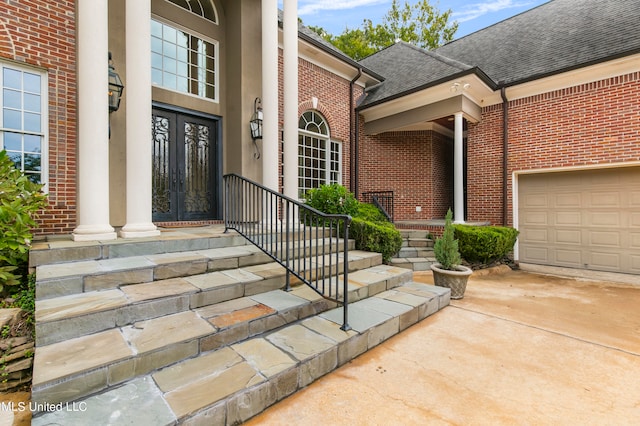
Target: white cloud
{"points": [[311, 7], [476, 10]]}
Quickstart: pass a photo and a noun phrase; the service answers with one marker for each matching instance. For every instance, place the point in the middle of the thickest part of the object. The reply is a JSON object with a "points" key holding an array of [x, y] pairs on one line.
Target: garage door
{"points": [[583, 219]]}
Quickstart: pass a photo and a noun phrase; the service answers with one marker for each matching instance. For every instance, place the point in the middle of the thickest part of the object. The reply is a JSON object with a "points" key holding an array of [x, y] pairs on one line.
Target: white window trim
{"points": [[216, 46], [44, 108], [329, 142], [215, 12]]}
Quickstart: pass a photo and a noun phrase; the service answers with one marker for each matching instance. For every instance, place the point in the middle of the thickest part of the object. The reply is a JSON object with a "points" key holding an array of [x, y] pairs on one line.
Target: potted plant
{"points": [[448, 272]]}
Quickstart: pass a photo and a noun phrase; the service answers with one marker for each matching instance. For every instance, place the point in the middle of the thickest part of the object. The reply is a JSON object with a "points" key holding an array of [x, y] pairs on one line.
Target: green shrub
{"points": [[379, 237], [485, 244], [371, 213], [332, 199], [20, 200], [446, 247], [370, 228]]}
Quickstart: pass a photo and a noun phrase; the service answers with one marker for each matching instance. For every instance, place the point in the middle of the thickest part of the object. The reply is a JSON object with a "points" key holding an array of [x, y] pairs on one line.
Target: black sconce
{"points": [[115, 87], [256, 125]]}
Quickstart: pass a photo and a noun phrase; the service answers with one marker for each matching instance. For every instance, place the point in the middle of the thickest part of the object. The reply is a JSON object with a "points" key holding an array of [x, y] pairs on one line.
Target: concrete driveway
{"points": [[520, 348]]}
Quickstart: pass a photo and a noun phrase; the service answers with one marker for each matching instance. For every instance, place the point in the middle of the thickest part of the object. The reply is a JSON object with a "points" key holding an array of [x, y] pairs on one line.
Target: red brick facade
{"points": [[41, 34], [585, 125], [417, 166], [332, 94]]}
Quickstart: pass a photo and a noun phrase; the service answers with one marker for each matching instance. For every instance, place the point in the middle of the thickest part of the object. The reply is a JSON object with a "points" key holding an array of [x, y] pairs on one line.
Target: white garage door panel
{"points": [[585, 219]]}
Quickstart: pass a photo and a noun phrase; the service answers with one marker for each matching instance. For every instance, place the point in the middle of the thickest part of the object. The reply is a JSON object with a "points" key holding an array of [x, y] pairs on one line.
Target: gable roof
{"points": [[552, 38]]}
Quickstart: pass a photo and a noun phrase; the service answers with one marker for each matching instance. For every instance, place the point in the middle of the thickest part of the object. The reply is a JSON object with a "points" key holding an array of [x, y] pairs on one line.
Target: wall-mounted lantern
{"points": [[256, 125], [115, 87]]}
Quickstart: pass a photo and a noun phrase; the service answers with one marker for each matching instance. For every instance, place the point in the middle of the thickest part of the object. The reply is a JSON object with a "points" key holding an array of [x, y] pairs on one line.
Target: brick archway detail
{"points": [[7, 48], [308, 105]]}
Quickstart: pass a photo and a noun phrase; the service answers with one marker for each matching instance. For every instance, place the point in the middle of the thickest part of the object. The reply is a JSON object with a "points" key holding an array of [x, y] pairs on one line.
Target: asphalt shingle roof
{"points": [[554, 37]]}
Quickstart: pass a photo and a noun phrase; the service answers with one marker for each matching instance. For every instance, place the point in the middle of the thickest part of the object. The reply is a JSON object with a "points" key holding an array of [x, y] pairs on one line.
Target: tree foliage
{"points": [[420, 24]]}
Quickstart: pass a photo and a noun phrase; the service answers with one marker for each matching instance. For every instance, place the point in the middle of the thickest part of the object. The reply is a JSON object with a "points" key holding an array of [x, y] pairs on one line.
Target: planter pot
{"points": [[455, 280]]}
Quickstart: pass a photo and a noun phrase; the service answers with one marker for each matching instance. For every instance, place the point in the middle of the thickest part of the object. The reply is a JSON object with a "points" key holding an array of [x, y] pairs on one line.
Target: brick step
{"points": [[77, 367], [227, 385], [60, 279], [75, 315]]}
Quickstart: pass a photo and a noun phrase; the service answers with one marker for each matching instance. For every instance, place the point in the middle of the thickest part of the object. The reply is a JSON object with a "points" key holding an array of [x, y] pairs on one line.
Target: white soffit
{"points": [[476, 90]]}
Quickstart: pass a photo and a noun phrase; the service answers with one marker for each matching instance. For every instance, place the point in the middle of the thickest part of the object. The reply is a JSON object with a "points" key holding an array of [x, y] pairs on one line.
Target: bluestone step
{"points": [[234, 383]]}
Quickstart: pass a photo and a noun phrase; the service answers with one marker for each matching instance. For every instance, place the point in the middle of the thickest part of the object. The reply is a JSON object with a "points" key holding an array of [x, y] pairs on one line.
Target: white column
{"points": [[270, 94], [93, 122], [138, 132], [458, 172], [290, 52]]}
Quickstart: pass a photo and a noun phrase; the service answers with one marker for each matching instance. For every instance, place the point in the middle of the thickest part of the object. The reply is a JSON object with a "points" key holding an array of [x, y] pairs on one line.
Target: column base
{"points": [[139, 230], [94, 233]]}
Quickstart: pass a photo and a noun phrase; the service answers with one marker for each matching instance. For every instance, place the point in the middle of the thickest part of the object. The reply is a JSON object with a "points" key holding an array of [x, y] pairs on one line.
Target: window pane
{"points": [[31, 83], [156, 29], [156, 76], [31, 162], [12, 141], [169, 50], [170, 65], [12, 79], [169, 34], [12, 99], [156, 61], [16, 157], [12, 119], [32, 143], [156, 45], [32, 122], [32, 102], [169, 81], [34, 177]]}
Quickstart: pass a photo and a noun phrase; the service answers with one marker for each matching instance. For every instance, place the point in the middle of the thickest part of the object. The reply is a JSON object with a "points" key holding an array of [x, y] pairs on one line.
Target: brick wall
{"points": [[416, 166], [41, 34], [585, 125]]}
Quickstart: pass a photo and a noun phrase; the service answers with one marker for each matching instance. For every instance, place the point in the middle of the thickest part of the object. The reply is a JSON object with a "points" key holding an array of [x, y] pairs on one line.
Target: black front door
{"points": [[186, 169]]}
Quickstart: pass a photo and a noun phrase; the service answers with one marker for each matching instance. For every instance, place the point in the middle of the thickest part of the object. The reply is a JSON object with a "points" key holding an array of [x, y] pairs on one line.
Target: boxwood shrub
{"points": [[485, 244], [370, 228], [379, 237]]}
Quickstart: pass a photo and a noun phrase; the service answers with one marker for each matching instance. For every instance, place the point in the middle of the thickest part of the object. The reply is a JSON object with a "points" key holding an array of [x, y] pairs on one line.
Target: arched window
{"points": [[204, 8], [319, 158]]}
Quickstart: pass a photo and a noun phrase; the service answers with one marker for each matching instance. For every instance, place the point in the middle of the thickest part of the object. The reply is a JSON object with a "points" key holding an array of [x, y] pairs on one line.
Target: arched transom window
{"points": [[319, 158], [204, 8]]}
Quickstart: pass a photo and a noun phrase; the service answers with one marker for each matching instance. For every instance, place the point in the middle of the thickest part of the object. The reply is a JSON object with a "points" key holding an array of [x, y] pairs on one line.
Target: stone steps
{"points": [[74, 315], [78, 276], [233, 383], [81, 366], [195, 327], [416, 252]]}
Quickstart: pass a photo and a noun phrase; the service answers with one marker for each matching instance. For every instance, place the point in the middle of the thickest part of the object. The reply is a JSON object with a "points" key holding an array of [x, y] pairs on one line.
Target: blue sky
{"points": [[335, 15]]}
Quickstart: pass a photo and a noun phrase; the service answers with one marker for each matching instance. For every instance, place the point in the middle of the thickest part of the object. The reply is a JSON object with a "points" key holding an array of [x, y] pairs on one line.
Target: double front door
{"points": [[186, 166]]}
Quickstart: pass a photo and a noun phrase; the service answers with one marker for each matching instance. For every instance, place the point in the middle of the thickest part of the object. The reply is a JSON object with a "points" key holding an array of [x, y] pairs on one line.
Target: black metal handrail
{"points": [[310, 245], [383, 200]]}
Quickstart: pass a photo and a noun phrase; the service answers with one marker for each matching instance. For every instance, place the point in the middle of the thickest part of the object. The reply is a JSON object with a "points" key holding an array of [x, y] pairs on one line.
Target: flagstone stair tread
{"points": [[233, 383], [208, 327]]}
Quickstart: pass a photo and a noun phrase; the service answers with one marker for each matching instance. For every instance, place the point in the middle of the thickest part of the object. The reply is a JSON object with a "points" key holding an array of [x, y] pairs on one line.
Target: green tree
{"points": [[420, 24]]}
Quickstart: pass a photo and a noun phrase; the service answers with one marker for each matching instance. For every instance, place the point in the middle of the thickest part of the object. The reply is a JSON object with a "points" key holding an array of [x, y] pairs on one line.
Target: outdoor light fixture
{"points": [[115, 87], [458, 86], [256, 125], [256, 120]]}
